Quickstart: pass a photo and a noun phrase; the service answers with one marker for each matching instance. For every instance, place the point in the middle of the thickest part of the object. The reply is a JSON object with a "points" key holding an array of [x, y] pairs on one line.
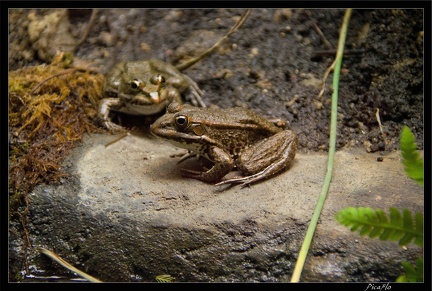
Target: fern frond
{"points": [[412, 274], [375, 223], [164, 278], [411, 159]]}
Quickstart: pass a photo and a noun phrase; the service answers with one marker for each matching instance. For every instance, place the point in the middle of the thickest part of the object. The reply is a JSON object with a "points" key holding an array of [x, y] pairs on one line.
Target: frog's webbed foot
{"points": [[267, 172], [195, 93], [199, 175], [205, 176]]}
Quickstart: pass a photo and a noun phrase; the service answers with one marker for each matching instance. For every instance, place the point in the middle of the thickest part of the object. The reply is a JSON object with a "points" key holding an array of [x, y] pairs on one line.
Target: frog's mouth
{"points": [[142, 104], [163, 130], [147, 98]]}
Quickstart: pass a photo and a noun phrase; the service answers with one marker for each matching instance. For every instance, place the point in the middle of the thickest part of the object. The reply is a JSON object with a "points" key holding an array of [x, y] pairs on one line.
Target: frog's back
{"points": [[233, 118], [234, 128]]}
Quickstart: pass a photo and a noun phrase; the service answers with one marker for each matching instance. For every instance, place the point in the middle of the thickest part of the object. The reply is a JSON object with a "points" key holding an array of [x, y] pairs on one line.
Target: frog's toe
{"points": [[194, 93], [244, 181], [111, 126], [192, 174], [205, 176], [196, 98], [232, 181]]}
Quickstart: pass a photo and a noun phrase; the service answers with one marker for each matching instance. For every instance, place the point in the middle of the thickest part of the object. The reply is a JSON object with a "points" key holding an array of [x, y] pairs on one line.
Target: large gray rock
{"points": [[126, 214]]}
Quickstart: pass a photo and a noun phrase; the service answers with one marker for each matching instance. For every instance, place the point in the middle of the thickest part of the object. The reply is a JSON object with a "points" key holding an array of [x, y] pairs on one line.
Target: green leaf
{"points": [[407, 219], [400, 227], [381, 216], [411, 159], [412, 274], [419, 270], [365, 229], [375, 232], [387, 233], [419, 228], [396, 221], [408, 224]]}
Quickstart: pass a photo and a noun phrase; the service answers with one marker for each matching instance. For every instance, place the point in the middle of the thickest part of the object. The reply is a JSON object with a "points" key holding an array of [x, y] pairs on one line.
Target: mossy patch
{"points": [[50, 109]]}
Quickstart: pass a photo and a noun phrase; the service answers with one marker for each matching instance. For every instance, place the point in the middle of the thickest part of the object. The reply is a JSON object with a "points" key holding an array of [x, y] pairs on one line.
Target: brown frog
{"points": [[147, 87], [235, 137]]}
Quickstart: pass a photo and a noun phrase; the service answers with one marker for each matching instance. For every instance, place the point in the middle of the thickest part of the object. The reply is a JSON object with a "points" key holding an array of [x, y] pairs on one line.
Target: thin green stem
{"points": [[332, 146]]}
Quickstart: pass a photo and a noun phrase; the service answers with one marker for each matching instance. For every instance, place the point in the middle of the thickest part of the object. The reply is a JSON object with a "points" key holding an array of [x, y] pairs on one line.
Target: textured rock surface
{"points": [[126, 214]]}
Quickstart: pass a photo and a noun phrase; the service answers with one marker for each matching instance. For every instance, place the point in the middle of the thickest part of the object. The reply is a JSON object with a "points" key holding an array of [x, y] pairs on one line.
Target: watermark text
{"points": [[380, 287]]}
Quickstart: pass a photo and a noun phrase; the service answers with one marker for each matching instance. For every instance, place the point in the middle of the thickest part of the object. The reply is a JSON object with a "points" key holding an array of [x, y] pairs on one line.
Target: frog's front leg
{"points": [[223, 164], [104, 109], [171, 94], [180, 81], [266, 158], [189, 88]]}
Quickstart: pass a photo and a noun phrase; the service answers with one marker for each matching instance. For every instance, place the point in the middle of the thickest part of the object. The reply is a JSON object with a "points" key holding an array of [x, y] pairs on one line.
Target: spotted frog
{"points": [[229, 138], [145, 88]]}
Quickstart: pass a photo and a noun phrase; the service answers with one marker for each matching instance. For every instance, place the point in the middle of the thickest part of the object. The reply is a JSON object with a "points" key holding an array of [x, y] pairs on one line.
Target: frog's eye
{"points": [[181, 121], [157, 80], [136, 84]]}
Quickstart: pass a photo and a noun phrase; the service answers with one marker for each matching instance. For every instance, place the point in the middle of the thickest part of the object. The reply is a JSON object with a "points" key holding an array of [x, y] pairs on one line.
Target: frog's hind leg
{"points": [[266, 173], [223, 164], [278, 162]]}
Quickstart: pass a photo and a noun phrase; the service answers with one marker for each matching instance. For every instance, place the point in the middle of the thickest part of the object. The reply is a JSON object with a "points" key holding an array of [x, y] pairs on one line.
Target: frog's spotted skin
{"points": [[229, 138], [145, 88]]}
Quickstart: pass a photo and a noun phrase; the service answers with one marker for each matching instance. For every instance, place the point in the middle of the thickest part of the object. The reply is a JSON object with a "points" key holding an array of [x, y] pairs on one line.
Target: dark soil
{"points": [[275, 67]]}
